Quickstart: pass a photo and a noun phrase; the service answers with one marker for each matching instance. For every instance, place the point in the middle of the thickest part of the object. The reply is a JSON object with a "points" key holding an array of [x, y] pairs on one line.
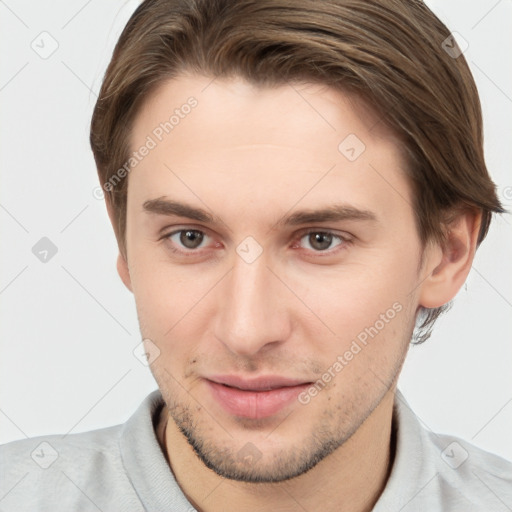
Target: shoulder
{"points": [[95, 470], [79, 466], [440, 472], [96, 446], [433, 472], [478, 476]]}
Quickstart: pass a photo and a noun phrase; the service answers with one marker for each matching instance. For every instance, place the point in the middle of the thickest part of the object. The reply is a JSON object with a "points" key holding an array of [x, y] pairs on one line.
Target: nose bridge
{"points": [[251, 316]]}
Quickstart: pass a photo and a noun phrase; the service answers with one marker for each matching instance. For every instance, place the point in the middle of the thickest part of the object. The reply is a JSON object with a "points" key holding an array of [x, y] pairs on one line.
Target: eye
{"points": [[321, 241], [189, 239]]}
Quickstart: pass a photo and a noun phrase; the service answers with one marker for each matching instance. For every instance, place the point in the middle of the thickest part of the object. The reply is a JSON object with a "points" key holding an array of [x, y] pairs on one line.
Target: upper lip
{"points": [[262, 383]]}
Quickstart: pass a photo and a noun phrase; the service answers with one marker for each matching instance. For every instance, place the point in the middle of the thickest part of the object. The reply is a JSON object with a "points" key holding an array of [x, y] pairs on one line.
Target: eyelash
{"points": [[344, 241]]}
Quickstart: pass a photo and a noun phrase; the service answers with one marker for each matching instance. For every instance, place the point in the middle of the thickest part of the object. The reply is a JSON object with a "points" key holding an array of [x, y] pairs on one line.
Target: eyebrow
{"points": [[331, 213]]}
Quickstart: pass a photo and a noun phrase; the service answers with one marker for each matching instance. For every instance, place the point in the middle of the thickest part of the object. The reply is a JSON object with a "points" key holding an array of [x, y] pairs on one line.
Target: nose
{"points": [[252, 312]]}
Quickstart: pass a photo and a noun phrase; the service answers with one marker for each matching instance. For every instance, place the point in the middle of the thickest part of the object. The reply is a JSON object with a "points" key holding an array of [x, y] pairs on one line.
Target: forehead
{"points": [[264, 146], [256, 112]]}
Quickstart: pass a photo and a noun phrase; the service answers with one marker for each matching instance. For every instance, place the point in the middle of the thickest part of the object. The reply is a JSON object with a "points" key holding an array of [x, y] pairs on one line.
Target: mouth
{"points": [[257, 398]]}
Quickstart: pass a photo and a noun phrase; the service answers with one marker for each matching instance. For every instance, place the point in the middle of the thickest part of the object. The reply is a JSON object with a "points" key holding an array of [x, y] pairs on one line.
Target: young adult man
{"points": [[296, 194]]}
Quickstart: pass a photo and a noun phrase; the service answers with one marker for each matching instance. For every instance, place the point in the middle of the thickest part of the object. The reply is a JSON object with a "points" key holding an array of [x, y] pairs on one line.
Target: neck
{"points": [[350, 479]]}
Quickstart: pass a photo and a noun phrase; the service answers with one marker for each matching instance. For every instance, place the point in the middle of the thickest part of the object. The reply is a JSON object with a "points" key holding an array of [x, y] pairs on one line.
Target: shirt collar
{"points": [[156, 487]]}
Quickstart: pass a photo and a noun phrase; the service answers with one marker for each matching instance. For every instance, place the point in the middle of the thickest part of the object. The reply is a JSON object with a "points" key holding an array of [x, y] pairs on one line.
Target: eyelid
{"points": [[340, 234], [177, 228]]}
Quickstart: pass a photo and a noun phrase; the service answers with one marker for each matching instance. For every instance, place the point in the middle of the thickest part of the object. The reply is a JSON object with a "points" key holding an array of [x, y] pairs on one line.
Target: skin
{"points": [[251, 156]]}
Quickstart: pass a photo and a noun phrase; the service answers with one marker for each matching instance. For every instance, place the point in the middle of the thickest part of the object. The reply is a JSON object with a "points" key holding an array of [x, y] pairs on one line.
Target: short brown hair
{"points": [[390, 52]]}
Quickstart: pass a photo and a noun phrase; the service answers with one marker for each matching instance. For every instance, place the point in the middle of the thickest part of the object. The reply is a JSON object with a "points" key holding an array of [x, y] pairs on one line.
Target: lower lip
{"points": [[254, 404]]}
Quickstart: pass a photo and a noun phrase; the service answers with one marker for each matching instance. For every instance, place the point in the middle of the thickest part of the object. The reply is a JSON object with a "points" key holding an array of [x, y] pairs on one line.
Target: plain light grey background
{"points": [[68, 327]]}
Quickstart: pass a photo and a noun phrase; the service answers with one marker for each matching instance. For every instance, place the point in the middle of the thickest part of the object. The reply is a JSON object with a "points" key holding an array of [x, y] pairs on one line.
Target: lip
{"points": [[256, 398]]}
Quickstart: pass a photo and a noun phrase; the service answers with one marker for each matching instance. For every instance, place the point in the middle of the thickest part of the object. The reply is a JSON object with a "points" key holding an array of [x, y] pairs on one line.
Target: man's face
{"points": [[276, 335]]}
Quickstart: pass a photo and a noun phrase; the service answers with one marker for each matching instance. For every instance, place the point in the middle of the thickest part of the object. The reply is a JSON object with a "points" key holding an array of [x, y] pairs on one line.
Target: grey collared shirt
{"points": [[123, 469]]}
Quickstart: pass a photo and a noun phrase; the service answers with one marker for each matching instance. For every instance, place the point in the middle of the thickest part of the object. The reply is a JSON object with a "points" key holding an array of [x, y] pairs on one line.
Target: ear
{"points": [[124, 271], [448, 264], [122, 264]]}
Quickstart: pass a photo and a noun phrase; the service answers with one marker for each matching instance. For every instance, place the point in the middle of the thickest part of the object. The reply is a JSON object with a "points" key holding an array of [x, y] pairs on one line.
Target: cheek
{"points": [[170, 303], [372, 332], [357, 297], [159, 294]]}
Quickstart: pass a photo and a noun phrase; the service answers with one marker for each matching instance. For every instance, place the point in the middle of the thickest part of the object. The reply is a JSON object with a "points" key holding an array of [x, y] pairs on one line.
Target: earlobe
{"points": [[448, 265], [123, 271]]}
